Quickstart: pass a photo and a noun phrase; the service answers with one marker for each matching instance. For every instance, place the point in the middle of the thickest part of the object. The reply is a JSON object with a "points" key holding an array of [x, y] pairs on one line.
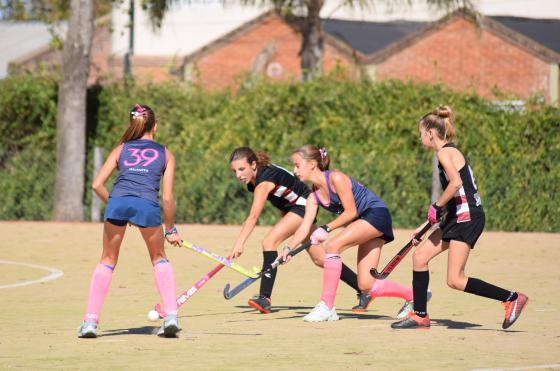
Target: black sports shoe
{"points": [[363, 303], [260, 303]]}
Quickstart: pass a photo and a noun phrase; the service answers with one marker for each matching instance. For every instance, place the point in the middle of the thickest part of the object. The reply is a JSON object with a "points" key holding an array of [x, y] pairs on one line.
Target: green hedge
{"points": [[369, 130]]}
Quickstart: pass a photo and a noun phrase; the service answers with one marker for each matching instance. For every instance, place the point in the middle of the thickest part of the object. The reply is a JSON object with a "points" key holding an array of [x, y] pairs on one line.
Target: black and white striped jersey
{"points": [[288, 190], [466, 203]]}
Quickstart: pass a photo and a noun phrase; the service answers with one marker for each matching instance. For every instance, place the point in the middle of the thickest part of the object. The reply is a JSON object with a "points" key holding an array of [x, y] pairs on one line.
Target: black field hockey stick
{"points": [[228, 294], [400, 255]]}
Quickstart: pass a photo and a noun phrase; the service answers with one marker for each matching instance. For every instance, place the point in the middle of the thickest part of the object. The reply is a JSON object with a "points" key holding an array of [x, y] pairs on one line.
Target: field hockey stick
{"points": [[400, 255], [190, 292], [228, 263], [228, 294]]}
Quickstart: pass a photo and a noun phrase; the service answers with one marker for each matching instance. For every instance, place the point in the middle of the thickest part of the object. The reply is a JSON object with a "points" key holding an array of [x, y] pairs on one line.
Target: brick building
{"points": [[267, 46], [517, 56]]}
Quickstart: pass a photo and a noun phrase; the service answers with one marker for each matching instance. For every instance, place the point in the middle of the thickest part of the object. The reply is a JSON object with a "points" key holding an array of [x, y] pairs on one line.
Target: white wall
{"points": [[188, 26], [191, 24]]}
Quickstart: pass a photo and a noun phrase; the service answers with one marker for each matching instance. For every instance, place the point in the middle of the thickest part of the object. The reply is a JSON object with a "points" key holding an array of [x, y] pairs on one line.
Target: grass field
{"points": [[38, 322]]}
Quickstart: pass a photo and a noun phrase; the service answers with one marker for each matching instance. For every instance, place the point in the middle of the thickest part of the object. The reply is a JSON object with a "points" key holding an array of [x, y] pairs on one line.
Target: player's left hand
{"points": [[319, 236], [434, 213]]}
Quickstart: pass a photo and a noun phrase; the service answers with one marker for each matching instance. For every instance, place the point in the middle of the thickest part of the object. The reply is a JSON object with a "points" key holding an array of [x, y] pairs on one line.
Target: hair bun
{"points": [[443, 112]]}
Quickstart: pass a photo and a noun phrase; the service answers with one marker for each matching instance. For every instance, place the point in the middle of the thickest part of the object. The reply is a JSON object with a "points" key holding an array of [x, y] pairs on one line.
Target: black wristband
{"points": [[326, 228]]}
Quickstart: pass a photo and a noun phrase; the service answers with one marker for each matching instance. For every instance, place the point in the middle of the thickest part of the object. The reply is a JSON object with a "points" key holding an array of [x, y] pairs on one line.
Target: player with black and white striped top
{"points": [[289, 195], [460, 229]]}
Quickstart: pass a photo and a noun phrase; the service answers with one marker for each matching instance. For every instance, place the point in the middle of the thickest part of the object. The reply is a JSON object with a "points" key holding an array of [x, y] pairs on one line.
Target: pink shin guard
{"points": [[98, 288], [165, 282], [331, 276], [391, 289]]}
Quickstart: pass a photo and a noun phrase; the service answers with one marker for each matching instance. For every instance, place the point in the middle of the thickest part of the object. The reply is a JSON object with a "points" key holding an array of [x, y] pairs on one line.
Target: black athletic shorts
{"points": [[467, 232], [296, 209]]}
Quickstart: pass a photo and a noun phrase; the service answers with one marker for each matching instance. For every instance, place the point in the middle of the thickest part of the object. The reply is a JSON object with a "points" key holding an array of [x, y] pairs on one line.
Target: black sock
{"points": [[420, 281], [350, 278], [267, 280], [481, 288]]}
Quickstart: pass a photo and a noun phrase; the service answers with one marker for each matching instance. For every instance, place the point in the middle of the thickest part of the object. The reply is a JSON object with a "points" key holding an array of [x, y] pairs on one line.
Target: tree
{"points": [[71, 119], [308, 12]]}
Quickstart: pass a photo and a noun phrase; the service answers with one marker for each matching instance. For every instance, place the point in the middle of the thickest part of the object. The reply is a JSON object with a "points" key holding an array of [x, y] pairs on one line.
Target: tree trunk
{"points": [[71, 120], [312, 46]]}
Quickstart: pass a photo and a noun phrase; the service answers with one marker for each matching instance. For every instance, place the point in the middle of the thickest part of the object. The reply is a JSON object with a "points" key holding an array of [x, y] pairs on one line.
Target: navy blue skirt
{"points": [[380, 219], [131, 209]]}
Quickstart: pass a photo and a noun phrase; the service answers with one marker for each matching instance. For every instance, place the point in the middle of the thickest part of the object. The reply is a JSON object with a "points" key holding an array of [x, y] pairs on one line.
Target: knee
{"points": [[332, 248], [419, 258], [269, 244]]}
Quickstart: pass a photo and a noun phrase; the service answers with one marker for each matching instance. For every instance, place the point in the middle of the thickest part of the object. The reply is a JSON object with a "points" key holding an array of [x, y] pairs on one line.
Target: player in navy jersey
{"points": [[270, 182], [460, 229], [367, 223], [134, 199]]}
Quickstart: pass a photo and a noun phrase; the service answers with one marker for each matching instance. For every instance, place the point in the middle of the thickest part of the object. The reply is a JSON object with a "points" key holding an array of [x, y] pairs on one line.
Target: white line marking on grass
{"points": [[554, 366], [55, 273]]}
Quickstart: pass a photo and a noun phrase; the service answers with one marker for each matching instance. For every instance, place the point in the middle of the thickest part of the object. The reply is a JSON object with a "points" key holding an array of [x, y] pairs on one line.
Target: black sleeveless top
{"points": [[466, 203], [288, 190]]}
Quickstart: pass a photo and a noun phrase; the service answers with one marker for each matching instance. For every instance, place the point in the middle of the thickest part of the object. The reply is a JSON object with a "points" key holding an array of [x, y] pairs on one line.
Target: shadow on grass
{"points": [[144, 330], [249, 310], [456, 325], [231, 333]]}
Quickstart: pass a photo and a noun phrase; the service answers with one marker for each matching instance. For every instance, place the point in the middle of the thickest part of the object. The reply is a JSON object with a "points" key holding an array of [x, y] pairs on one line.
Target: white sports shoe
{"points": [[170, 326], [321, 313], [408, 307], [88, 329]]}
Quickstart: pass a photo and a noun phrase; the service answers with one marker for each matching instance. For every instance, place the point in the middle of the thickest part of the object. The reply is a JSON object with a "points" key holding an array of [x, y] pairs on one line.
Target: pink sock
{"points": [[165, 282], [391, 289], [331, 276], [98, 288]]}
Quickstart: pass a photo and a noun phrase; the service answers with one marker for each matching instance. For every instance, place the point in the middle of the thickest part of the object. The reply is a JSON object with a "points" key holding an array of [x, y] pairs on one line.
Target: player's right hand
{"points": [[285, 257], [416, 240], [174, 238], [235, 252]]}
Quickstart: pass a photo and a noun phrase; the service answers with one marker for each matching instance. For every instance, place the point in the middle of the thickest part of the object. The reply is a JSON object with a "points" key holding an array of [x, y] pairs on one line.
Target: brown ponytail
{"points": [[142, 120], [312, 152], [442, 119], [260, 157]]}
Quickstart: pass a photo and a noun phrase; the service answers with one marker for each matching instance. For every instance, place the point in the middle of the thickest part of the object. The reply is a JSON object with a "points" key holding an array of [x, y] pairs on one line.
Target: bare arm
{"points": [[98, 184], [259, 199], [455, 183], [343, 188], [303, 230], [168, 202]]}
